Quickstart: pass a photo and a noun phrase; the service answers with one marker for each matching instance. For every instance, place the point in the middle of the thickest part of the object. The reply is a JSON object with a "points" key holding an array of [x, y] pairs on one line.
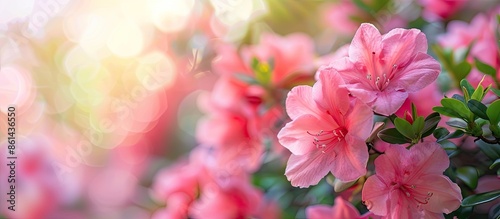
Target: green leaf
{"points": [[478, 93], [490, 150], [495, 163], [457, 123], [440, 133], [493, 112], [418, 125], [457, 106], [448, 145], [485, 68], [495, 91], [413, 111], [466, 87], [392, 136], [456, 134], [468, 175], [477, 108], [480, 198], [458, 97], [462, 70], [431, 122], [445, 111], [404, 127]]}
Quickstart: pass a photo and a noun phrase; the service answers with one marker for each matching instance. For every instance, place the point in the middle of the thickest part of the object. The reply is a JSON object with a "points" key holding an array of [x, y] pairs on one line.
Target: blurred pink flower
{"points": [[234, 198], [435, 10], [382, 69], [343, 17], [233, 137], [482, 33], [341, 209], [410, 183], [292, 55], [327, 132]]}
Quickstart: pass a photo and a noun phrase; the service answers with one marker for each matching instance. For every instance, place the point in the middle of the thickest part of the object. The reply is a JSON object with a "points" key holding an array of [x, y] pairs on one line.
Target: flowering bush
{"points": [[251, 109]]}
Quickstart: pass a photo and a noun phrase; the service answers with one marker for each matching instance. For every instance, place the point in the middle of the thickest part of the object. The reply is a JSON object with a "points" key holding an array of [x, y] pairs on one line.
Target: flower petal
{"points": [[344, 209], [318, 212], [421, 71], [428, 158], [400, 45], [366, 41], [375, 195], [308, 169], [446, 196], [359, 121], [389, 102], [300, 101], [351, 158], [295, 137], [329, 93]]}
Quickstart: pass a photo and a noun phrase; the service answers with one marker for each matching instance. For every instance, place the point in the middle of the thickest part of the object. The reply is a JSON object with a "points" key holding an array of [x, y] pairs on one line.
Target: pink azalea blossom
{"points": [[341, 209], [327, 134], [410, 183], [382, 69], [341, 17], [482, 33], [435, 10], [234, 198]]}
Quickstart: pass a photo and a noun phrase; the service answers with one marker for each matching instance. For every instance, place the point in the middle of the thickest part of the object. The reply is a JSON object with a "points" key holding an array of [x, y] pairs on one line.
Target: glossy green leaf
{"points": [[478, 93], [462, 70], [455, 134], [418, 125], [468, 175], [446, 111], [458, 97], [448, 145], [493, 112], [392, 136], [495, 163], [466, 87], [457, 123], [495, 91], [457, 106], [404, 127], [413, 111], [441, 133], [480, 198], [431, 122], [478, 108], [485, 68], [490, 150]]}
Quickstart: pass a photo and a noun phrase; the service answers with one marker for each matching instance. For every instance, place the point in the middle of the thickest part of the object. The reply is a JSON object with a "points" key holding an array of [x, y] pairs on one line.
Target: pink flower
{"points": [[482, 32], [435, 10], [382, 69], [410, 183], [341, 209], [327, 133], [343, 17], [235, 198]]}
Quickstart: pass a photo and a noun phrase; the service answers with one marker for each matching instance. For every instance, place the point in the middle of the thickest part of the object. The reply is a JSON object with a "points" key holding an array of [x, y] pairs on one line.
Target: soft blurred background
{"points": [[111, 96]]}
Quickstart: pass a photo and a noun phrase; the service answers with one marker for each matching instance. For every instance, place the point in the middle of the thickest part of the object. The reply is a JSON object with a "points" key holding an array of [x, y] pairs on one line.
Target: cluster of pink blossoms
{"points": [[332, 120], [242, 112]]}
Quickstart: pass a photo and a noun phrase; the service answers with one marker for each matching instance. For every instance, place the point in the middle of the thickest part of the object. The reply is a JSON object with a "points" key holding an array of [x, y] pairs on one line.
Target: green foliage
{"points": [[485, 68], [392, 135], [468, 175], [480, 198]]}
